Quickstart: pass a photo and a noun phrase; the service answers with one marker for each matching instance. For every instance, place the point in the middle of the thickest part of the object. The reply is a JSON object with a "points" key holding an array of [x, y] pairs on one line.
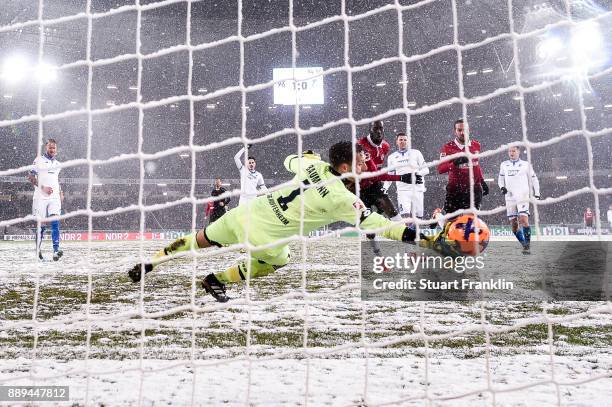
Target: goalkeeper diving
{"points": [[277, 216]]}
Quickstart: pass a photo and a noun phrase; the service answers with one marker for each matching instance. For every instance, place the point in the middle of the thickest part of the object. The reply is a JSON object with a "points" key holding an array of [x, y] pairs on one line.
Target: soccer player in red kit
{"points": [[371, 190], [458, 188]]}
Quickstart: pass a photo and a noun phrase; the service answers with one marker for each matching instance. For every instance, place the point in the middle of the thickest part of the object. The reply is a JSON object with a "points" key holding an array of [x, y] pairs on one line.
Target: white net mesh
{"points": [[301, 335]]}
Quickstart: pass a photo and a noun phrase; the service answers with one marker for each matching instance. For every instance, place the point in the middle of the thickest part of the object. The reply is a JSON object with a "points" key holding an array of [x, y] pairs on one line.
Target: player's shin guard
{"points": [[55, 235], [239, 272], [527, 235]]}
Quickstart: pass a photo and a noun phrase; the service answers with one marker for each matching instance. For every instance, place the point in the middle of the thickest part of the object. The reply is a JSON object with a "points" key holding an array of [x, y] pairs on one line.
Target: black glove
{"points": [[504, 190], [537, 197], [248, 147], [407, 179], [485, 188], [460, 160]]}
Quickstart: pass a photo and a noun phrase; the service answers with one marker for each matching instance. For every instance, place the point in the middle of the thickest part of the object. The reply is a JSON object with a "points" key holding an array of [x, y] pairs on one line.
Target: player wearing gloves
{"points": [[516, 181], [278, 215], [459, 186], [407, 161]]}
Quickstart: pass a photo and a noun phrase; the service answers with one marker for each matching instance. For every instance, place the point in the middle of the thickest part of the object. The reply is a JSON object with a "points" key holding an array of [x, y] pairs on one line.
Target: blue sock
{"points": [[527, 233], [55, 234], [519, 235]]}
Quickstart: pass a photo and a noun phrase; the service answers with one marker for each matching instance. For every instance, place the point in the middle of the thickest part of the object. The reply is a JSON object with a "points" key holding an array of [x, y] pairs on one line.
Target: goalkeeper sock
{"points": [[520, 236], [55, 234], [238, 272], [527, 234], [182, 244]]}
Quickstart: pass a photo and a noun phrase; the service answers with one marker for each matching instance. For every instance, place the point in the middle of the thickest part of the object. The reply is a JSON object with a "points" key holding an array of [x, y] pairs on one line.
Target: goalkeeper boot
{"points": [[215, 288], [57, 255], [136, 273]]}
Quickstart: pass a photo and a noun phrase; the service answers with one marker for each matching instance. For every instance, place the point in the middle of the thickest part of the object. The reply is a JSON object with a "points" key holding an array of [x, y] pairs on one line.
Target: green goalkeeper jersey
{"points": [[278, 214]]}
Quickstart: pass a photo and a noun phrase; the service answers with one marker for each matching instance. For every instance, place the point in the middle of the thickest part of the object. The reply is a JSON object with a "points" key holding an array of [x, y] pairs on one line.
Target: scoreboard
{"points": [[301, 86]]}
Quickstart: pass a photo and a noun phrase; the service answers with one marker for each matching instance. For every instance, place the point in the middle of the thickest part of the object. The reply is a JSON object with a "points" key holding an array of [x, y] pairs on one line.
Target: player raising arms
{"points": [[277, 215], [251, 181], [516, 178], [48, 196]]}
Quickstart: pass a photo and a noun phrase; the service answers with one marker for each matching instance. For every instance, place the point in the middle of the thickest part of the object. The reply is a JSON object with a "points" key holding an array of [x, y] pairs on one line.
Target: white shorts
{"points": [[514, 208], [410, 203], [46, 207]]}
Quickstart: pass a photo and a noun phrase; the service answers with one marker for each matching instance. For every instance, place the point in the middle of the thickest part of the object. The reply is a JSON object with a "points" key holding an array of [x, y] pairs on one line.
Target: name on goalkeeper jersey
{"points": [[315, 179], [277, 210]]}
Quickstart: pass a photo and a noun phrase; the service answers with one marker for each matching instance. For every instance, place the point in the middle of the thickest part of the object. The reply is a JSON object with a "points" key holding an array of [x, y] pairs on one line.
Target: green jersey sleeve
{"points": [[350, 209]]}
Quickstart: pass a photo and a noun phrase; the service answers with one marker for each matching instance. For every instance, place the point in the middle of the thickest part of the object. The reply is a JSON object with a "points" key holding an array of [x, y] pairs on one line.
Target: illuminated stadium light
{"points": [[133, 87], [7, 96], [569, 109], [489, 179], [73, 102], [561, 177], [549, 48], [608, 106], [46, 73], [487, 70], [111, 86], [589, 107], [184, 155], [202, 90], [470, 73], [14, 69], [586, 39], [162, 185], [380, 84], [110, 103], [411, 104], [211, 106]]}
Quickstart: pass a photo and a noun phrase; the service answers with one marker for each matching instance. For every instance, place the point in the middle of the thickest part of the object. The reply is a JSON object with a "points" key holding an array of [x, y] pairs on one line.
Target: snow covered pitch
{"points": [[277, 346]]}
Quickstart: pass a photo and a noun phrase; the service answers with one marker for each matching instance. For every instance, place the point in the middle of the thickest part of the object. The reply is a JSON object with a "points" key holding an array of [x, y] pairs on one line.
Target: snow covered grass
{"points": [[276, 345]]}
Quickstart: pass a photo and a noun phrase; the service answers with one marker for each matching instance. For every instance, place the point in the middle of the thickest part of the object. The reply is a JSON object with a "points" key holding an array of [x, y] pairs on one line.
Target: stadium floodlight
{"points": [[14, 69], [46, 73], [549, 48], [586, 39]]}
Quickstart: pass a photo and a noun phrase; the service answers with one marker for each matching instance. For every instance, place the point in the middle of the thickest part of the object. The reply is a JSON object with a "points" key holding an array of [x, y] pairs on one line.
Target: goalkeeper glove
{"points": [[485, 188], [504, 190], [407, 179], [460, 160], [537, 197]]}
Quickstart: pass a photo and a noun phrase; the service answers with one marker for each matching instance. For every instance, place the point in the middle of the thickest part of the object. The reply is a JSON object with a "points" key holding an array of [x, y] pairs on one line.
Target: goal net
{"points": [[150, 101]]}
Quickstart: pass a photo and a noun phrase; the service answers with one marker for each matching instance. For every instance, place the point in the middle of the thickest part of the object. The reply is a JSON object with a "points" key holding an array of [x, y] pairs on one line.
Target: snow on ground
{"points": [[100, 346]]}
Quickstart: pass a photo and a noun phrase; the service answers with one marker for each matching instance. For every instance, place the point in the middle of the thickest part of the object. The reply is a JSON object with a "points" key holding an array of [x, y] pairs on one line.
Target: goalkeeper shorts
{"points": [[231, 229]]}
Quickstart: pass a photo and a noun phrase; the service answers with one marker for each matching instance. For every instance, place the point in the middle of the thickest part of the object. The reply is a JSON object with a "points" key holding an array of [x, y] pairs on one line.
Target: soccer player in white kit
{"points": [[48, 196], [251, 181], [407, 160], [516, 180]]}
